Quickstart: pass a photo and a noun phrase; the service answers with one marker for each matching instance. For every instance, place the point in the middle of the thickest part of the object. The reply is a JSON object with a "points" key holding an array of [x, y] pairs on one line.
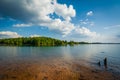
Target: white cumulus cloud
{"points": [[44, 8], [38, 12], [90, 13], [22, 25], [64, 11], [9, 34], [82, 31]]}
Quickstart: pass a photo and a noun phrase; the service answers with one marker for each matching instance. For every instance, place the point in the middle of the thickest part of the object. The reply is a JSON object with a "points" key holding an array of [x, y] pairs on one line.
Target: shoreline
{"points": [[56, 69]]}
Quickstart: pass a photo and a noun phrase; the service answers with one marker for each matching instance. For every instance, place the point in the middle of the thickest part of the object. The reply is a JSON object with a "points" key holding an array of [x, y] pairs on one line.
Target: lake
{"points": [[90, 53]]}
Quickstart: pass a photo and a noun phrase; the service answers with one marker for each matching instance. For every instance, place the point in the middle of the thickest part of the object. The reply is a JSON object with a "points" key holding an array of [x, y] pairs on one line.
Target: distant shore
{"points": [[42, 41]]}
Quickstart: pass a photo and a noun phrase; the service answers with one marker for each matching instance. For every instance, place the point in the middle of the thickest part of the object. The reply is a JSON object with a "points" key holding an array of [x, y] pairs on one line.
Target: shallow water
{"points": [[92, 53]]}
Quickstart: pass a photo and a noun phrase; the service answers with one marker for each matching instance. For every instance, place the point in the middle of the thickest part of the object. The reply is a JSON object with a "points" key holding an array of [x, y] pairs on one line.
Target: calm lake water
{"points": [[92, 53]]}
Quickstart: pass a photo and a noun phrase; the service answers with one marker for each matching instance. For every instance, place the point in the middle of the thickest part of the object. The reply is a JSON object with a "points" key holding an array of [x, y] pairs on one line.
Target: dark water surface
{"points": [[89, 52]]}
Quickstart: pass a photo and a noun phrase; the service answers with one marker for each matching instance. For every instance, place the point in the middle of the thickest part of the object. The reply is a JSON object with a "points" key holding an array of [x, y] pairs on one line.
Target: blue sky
{"points": [[78, 20]]}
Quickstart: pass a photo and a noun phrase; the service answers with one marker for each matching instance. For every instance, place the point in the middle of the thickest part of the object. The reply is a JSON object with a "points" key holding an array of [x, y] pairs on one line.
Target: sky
{"points": [[78, 20]]}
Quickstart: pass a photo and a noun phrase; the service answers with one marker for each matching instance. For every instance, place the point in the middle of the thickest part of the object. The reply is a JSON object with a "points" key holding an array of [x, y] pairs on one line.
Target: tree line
{"points": [[37, 41]]}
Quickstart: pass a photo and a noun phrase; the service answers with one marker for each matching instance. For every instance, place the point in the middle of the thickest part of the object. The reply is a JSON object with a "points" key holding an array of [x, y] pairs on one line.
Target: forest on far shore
{"points": [[37, 41]]}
